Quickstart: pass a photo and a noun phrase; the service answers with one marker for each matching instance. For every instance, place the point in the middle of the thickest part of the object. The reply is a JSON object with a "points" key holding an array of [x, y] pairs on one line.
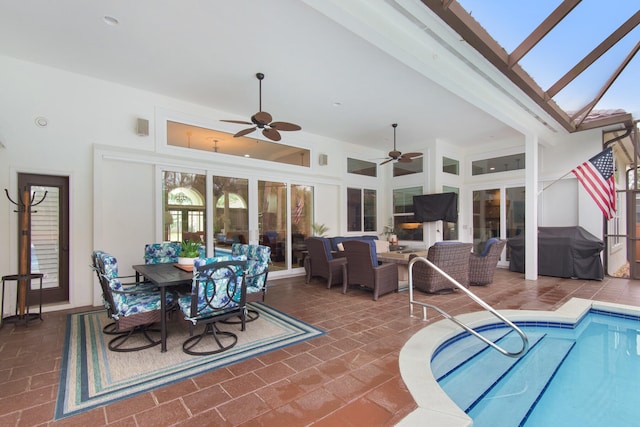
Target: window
{"points": [[404, 223], [362, 167], [213, 141], [498, 164], [407, 168], [450, 166], [361, 209]]}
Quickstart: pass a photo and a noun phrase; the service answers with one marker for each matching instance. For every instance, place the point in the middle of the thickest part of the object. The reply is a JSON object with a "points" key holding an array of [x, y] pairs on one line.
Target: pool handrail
{"points": [[474, 297]]}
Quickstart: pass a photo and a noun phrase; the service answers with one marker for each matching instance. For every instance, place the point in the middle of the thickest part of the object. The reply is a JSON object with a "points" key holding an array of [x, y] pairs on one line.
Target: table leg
{"points": [[403, 277], [163, 319]]}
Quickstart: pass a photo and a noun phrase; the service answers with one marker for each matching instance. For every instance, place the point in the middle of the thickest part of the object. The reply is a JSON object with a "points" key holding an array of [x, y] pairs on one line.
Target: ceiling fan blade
{"points": [[285, 126], [385, 162], [262, 117], [272, 134], [410, 155], [237, 121], [244, 132], [403, 159]]}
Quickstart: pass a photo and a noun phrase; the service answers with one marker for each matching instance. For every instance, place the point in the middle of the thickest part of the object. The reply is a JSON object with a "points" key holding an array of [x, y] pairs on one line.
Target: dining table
{"points": [[401, 259], [164, 275]]}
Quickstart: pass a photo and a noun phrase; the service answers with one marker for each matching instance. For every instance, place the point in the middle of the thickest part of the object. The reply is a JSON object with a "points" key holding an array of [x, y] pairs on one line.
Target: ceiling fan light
{"points": [[263, 120], [397, 155]]}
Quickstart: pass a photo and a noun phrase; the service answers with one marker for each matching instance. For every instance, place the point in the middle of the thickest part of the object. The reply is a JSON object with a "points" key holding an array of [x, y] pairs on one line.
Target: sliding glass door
{"points": [[184, 206], [301, 197], [241, 210], [497, 212], [231, 211], [272, 220]]}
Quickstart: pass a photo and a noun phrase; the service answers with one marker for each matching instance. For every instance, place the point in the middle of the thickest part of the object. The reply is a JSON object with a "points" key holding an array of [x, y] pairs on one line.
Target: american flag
{"points": [[596, 175]]}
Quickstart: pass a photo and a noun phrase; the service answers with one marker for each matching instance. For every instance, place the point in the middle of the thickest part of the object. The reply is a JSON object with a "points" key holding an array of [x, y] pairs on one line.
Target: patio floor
{"points": [[348, 377]]}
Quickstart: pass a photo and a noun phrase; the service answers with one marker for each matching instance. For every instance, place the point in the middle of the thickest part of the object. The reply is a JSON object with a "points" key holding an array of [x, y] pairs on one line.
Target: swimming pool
{"points": [[222, 252], [599, 348]]}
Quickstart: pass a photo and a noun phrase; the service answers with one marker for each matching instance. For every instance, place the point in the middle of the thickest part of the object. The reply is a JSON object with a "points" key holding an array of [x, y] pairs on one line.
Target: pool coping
{"points": [[433, 403]]}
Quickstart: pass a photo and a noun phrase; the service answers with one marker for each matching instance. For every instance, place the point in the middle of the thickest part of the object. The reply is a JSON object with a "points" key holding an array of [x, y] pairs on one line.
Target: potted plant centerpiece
{"points": [[189, 250], [390, 233]]}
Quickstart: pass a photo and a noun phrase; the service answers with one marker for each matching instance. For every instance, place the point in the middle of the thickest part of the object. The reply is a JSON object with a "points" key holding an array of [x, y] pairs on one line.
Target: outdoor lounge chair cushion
{"points": [[258, 259], [128, 300], [334, 241], [159, 253]]}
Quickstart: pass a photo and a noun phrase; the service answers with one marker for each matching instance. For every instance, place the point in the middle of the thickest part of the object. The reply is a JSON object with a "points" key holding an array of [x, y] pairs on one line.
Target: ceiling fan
{"points": [[396, 155], [262, 120]]}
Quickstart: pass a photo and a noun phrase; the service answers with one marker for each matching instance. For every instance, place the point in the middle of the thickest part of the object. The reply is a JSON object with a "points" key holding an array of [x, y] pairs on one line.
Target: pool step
{"points": [[529, 377], [460, 351], [474, 377]]}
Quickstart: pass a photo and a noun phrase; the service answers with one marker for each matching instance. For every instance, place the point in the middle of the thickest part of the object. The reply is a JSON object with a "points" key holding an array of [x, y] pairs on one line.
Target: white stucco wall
{"points": [[113, 172], [85, 114]]}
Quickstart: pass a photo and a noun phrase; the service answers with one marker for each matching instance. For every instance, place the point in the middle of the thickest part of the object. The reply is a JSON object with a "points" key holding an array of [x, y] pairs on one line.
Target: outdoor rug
{"points": [[91, 375]]}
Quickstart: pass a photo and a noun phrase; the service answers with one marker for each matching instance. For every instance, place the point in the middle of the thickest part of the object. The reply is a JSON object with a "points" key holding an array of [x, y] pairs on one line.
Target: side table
{"points": [[27, 316]]}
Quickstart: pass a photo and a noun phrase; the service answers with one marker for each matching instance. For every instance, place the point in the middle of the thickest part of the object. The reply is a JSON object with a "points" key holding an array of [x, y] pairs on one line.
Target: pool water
{"points": [[222, 252], [586, 374]]}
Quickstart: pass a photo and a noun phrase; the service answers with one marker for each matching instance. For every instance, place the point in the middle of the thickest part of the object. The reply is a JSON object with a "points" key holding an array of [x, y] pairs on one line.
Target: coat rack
{"points": [[24, 206]]}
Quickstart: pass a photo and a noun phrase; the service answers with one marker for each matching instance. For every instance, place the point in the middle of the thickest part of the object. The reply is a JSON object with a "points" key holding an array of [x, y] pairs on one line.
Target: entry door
{"points": [[48, 234]]}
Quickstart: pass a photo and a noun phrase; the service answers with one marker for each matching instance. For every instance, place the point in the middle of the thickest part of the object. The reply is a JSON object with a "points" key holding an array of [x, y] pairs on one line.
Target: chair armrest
{"points": [[338, 261], [137, 288], [386, 272]]}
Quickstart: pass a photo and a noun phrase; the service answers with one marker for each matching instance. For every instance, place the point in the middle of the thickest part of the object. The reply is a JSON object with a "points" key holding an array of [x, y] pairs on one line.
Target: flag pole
{"points": [[540, 192]]}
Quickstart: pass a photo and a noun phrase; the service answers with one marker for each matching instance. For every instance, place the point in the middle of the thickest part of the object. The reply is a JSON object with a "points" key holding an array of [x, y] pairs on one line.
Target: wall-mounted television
{"points": [[436, 207]]}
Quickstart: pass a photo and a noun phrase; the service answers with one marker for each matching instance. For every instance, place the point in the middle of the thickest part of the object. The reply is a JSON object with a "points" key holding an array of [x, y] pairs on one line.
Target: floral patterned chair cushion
{"points": [[258, 260], [134, 307], [126, 298], [131, 302], [160, 253], [166, 252]]}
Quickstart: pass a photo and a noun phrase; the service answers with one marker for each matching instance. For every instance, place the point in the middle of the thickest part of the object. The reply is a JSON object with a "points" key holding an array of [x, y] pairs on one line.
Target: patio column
{"points": [[531, 208]]}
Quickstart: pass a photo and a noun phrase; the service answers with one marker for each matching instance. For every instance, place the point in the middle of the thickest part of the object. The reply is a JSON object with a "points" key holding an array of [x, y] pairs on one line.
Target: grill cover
{"points": [[562, 252]]}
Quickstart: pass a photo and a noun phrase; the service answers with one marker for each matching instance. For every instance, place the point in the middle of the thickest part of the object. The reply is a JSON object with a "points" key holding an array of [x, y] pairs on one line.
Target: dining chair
{"points": [[258, 260], [362, 269], [134, 307], [112, 265], [218, 293]]}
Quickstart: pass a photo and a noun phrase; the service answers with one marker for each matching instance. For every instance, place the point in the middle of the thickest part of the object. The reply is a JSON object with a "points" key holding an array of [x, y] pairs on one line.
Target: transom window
{"points": [[203, 139]]}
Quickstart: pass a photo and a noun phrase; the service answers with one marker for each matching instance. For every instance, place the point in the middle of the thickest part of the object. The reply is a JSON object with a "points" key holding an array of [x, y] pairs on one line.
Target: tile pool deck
{"points": [[348, 377]]}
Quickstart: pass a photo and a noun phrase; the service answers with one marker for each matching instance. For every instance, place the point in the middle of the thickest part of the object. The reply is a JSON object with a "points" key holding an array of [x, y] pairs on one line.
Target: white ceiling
{"points": [[208, 52]]}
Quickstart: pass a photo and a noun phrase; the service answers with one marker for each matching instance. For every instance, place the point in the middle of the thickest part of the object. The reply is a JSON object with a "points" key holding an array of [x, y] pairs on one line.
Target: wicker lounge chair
{"points": [[482, 266], [322, 263], [452, 258], [362, 269]]}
